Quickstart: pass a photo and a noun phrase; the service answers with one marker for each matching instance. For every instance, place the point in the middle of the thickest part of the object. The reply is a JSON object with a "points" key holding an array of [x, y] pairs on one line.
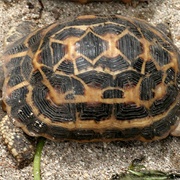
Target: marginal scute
{"points": [[16, 48], [37, 127], [17, 97], [25, 114], [161, 128], [145, 29], [86, 21], [70, 32], [84, 134], [108, 29], [13, 66], [95, 111], [57, 132], [135, 31], [34, 41], [15, 80]]}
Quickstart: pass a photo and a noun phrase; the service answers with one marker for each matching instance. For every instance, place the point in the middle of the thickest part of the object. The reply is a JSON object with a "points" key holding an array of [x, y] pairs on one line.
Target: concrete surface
{"points": [[91, 161]]}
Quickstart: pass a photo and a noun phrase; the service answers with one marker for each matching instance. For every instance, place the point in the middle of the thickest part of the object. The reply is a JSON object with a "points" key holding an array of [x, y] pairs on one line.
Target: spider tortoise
{"points": [[97, 78]]}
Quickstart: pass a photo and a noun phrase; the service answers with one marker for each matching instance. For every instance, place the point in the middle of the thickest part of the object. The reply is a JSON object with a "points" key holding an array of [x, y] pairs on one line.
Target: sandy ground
{"points": [[71, 161]]}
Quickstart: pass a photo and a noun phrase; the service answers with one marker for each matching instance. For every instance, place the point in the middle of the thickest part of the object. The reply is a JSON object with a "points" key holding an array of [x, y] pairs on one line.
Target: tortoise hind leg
{"points": [[18, 143]]}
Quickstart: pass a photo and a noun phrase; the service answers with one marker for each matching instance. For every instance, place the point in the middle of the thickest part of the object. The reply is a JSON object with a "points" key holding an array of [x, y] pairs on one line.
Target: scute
{"points": [[127, 79], [134, 46], [92, 79], [112, 63], [160, 55], [90, 46]]}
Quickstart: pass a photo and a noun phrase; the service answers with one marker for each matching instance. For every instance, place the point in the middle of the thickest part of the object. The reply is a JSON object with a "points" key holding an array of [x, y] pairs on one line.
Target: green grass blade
{"points": [[37, 159]]}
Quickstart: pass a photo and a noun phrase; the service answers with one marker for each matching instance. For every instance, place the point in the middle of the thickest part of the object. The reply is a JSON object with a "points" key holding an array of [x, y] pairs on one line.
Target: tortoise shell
{"points": [[94, 78]]}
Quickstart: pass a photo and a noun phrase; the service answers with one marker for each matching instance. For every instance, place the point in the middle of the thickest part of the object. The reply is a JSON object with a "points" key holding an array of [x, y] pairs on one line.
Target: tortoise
{"points": [[96, 78]]}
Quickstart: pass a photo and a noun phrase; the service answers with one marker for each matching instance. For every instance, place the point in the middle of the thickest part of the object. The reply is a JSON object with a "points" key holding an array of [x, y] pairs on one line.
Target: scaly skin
{"points": [[19, 144]]}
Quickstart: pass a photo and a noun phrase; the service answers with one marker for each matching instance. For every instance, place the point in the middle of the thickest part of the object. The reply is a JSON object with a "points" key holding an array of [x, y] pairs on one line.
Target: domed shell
{"points": [[92, 79]]}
